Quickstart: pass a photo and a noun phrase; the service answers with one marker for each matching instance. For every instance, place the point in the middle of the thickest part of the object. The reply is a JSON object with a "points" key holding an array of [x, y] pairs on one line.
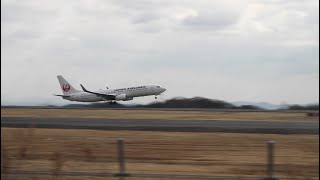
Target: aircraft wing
{"points": [[61, 95], [105, 96]]}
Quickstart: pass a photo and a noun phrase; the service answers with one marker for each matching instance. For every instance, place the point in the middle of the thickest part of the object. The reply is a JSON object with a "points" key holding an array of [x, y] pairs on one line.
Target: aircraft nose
{"points": [[163, 89]]}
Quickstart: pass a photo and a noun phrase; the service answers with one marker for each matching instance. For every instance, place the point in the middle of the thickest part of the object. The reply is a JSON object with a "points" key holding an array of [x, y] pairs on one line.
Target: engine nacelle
{"points": [[121, 97], [128, 99]]}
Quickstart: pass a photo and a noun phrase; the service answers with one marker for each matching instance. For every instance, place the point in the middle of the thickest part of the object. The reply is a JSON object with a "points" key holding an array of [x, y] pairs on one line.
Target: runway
{"points": [[229, 126]]}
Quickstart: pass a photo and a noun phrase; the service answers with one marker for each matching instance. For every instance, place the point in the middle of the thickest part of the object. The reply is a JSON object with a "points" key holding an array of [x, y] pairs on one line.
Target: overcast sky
{"points": [[233, 50]]}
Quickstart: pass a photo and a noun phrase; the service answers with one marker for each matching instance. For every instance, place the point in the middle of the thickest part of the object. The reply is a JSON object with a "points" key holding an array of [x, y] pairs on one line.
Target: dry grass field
{"points": [[155, 114], [241, 155], [157, 152]]}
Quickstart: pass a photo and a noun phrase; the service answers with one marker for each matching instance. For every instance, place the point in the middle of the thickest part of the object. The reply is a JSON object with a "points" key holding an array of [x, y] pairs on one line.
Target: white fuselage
{"points": [[123, 94]]}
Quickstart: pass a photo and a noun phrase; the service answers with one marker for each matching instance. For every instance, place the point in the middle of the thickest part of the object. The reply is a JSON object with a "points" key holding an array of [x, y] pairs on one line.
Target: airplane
{"points": [[109, 95]]}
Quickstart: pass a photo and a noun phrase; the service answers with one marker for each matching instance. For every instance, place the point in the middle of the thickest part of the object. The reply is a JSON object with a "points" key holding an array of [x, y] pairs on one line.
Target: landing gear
{"points": [[112, 102], [155, 97]]}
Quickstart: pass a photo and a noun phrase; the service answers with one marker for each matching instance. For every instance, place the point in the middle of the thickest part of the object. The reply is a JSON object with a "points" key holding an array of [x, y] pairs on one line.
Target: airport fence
{"points": [[123, 173]]}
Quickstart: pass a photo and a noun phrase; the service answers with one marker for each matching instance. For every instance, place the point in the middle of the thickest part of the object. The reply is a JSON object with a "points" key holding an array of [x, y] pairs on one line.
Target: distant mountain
{"points": [[196, 102], [263, 105], [179, 102], [270, 106], [305, 107], [312, 104]]}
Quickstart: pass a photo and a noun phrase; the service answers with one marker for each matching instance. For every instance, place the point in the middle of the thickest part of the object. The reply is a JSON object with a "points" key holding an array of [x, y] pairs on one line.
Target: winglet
{"points": [[105, 96], [84, 89]]}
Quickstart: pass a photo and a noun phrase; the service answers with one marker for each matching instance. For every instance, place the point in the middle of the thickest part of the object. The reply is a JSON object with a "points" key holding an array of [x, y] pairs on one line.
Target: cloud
{"points": [[170, 15], [206, 48], [212, 20]]}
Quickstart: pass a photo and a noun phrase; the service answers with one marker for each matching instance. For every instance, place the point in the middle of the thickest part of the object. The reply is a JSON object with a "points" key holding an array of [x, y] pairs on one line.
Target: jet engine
{"points": [[123, 97]]}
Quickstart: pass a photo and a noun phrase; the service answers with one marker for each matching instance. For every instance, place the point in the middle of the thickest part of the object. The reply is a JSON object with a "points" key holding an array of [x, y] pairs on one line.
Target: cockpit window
{"points": [[158, 86]]}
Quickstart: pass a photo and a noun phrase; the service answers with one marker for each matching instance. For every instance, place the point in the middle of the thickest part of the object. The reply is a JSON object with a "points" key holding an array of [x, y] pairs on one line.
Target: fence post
{"points": [[270, 164], [58, 162], [122, 171], [5, 162]]}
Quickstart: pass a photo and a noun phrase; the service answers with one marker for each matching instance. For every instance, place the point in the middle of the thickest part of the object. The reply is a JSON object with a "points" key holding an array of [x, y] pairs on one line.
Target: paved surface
{"points": [[238, 126]]}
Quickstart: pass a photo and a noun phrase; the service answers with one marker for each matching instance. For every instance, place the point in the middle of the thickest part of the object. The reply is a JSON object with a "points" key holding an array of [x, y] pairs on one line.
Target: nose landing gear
{"points": [[112, 102], [155, 97]]}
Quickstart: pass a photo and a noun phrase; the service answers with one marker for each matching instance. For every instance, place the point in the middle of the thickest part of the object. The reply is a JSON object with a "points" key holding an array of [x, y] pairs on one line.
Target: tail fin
{"points": [[66, 87]]}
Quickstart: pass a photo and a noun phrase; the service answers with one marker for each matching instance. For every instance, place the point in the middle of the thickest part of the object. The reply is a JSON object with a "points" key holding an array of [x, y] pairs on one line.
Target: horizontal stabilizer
{"points": [[61, 95]]}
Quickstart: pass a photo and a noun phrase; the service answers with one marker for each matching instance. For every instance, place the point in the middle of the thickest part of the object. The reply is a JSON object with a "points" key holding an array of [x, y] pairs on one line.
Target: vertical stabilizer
{"points": [[66, 87]]}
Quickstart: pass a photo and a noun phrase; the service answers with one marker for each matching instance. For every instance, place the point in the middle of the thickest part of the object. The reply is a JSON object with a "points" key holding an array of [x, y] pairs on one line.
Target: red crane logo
{"points": [[66, 87]]}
